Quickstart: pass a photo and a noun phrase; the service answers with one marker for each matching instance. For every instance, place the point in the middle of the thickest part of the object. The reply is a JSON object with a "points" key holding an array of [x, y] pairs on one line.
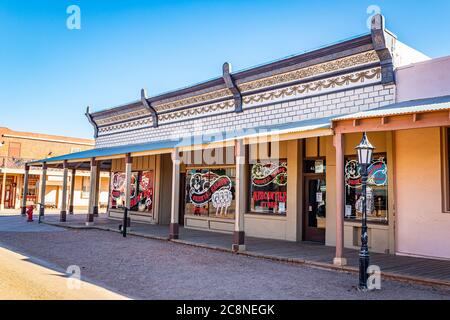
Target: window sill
{"points": [[370, 224], [190, 216], [264, 216]]}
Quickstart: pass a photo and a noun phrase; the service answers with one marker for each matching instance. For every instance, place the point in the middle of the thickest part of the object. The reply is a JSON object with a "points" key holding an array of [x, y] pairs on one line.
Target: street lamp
{"points": [[365, 151]]}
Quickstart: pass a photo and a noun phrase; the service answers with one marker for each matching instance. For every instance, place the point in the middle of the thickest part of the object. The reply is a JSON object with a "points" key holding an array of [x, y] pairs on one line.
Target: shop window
{"points": [[377, 190], [210, 192], [141, 191], [268, 187], [85, 184]]}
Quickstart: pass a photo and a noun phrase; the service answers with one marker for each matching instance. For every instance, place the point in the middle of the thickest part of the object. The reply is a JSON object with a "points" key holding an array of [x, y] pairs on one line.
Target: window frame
{"points": [[358, 220], [83, 193], [249, 210]]}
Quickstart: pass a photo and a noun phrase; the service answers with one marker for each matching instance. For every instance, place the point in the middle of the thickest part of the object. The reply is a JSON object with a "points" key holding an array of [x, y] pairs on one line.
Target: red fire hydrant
{"points": [[30, 209]]}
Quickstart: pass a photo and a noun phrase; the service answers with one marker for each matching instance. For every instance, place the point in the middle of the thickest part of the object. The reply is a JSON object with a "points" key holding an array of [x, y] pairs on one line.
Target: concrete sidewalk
{"points": [[417, 270]]}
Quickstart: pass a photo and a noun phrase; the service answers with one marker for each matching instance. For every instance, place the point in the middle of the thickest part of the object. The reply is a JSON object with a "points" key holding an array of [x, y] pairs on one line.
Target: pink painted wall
{"points": [[422, 227], [423, 80]]}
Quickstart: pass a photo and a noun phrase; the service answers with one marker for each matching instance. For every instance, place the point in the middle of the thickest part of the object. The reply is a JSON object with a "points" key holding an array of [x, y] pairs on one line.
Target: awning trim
{"points": [[209, 138]]}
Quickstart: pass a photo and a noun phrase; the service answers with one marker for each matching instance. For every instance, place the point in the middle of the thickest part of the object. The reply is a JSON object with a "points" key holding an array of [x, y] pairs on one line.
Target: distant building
{"points": [[17, 148]]}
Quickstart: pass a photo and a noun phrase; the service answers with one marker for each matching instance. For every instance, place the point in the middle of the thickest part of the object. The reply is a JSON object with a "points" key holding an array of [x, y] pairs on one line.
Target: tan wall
{"points": [[422, 227], [37, 149], [53, 193]]}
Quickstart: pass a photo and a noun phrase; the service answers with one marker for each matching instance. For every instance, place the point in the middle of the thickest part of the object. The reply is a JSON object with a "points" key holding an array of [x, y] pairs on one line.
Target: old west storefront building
{"points": [[18, 147], [264, 152]]}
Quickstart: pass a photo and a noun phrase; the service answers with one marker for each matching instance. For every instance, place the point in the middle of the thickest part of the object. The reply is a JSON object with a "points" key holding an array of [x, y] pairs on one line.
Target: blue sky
{"points": [[49, 74]]}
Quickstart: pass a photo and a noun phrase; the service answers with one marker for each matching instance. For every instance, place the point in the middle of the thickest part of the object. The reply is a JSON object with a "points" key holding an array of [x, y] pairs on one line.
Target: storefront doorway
{"points": [[314, 208]]}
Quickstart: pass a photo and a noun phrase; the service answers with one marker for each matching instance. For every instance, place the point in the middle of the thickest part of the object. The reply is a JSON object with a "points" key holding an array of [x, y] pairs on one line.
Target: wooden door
{"points": [[314, 217]]}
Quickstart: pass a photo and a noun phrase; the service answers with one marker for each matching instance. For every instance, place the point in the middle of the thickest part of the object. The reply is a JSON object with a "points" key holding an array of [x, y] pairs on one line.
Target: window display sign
{"points": [[376, 173], [117, 196], [210, 193], [143, 202], [268, 187], [377, 190]]}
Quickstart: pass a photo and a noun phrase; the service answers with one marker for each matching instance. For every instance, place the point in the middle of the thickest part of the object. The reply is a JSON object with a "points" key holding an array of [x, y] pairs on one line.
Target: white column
{"points": [[72, 191], [92, 183], [175, 207], [25, 189], [239, 195], [43, 184], [63, 213]]}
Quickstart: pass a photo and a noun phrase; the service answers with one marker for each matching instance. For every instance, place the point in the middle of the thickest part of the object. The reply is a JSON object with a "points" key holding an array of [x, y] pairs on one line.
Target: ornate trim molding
{"points": [[343, 63], [315, 86], [121, 117], [196, 111], [193, 100], [126, 125]]}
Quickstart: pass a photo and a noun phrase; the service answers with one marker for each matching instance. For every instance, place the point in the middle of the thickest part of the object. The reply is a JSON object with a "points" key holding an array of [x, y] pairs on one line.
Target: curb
{"points": [[314, 264]]}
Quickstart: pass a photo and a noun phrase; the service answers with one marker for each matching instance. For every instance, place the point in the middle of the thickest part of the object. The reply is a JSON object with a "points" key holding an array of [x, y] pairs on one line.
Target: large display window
{"points": [[268, 187], [377, 190], [210, 192], [141, 193]]}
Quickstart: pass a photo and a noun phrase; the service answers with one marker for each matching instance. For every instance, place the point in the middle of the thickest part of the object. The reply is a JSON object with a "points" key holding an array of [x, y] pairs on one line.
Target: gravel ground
{"points": [[151, 269]]}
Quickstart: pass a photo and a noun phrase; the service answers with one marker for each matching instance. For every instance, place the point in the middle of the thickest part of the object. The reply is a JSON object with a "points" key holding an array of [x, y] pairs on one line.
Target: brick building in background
{"points": [[17, 148]]}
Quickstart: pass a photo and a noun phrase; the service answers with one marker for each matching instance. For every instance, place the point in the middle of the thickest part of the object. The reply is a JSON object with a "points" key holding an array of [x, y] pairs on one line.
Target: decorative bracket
{"points": [[92, 122], [383, 43], [148, 106], [232, 87]]}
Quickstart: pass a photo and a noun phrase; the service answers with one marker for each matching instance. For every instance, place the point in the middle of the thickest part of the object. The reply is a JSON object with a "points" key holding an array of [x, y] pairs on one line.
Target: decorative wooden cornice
{"points": [[148, 106], [334, 82], [383, 43], [226, 68], [340, 64], [92, 122]]}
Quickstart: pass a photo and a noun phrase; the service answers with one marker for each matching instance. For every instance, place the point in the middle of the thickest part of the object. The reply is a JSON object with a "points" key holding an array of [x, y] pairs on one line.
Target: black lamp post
{"points": [[365, 151]]}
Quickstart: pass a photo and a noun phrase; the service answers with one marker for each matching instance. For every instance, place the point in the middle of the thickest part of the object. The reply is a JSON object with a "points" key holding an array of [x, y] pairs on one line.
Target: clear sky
{"points": [[49, 73]]}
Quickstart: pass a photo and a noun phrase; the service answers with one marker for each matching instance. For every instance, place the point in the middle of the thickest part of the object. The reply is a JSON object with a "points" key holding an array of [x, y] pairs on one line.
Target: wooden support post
{"points": [[25, 190], [63, 213], [97, 190], [92, 183], [339, 144], [72, 190], [175, 207], [42, 190], [239, 233]]}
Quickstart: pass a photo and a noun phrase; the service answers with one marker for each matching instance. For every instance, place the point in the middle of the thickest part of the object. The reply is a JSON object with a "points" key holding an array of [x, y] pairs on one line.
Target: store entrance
{"points": [[314, 217]]}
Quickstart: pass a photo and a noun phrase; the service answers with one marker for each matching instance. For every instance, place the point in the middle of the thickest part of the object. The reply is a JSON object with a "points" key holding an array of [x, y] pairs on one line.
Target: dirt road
{"points": [[22, 279]]}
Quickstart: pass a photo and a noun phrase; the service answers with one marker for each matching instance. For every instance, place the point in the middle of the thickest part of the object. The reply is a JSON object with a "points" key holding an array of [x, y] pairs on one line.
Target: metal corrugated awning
{"points": [[208, 138], [407, 107]]}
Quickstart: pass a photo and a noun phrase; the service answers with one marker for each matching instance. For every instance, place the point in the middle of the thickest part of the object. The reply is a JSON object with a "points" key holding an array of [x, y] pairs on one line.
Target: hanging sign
{"points": [[318, 166]]}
